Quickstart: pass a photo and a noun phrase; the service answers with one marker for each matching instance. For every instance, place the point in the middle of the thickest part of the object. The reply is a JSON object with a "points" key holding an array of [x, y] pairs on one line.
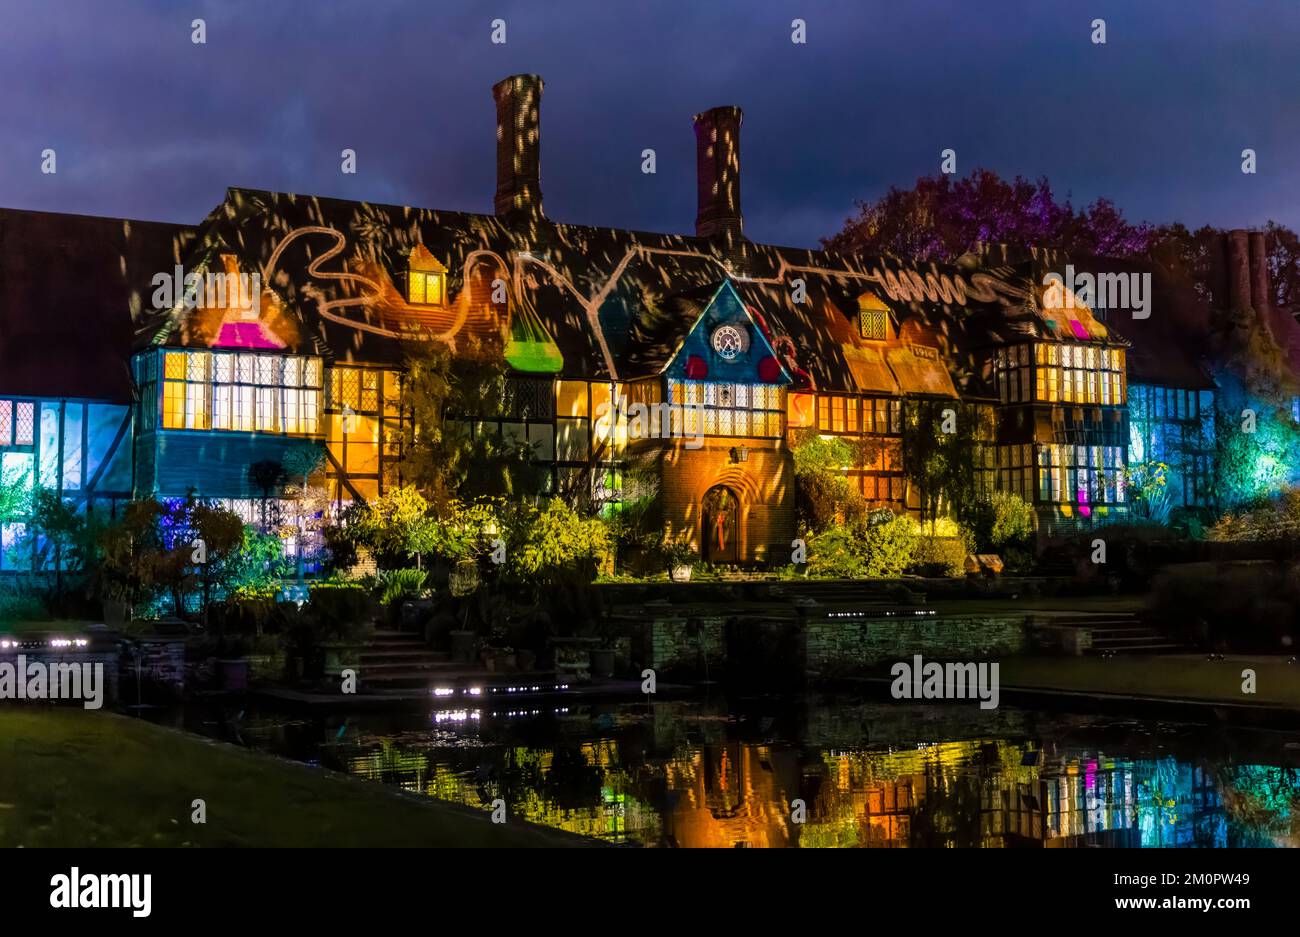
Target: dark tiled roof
{"points": [[70, 289], [1166, 348]]}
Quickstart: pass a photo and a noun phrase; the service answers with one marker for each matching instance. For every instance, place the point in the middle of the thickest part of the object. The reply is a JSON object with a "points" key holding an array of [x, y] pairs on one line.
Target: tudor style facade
{"points": [[742, 346]]}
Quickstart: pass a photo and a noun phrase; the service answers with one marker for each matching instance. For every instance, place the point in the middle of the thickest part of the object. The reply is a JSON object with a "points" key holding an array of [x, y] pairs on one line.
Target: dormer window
{"points": [[873, 318], [425, 288], [426, 279]]}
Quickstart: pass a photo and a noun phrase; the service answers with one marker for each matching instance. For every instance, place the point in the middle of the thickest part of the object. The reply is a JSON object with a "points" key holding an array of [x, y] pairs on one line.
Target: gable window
{"points": [[726, 409], [426, 278], [425, 288]]}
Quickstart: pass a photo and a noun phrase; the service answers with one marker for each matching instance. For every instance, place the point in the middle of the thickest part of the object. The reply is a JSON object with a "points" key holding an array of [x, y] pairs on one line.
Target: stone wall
{"points": [[670, 641], [687, 644], [835, 647]]}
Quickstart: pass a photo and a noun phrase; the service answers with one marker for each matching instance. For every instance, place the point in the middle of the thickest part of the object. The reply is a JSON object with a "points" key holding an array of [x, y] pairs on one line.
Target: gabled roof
{"points": [[662, 336], [599, 303], [612, 301]]}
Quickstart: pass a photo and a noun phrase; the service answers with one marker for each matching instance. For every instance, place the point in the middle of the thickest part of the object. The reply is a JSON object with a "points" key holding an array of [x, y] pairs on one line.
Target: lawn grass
{"points": [[1182, 676], [75, 778]]}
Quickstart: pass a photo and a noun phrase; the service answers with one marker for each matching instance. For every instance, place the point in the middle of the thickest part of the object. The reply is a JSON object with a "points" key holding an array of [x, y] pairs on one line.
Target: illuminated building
{"points": [[732, 346]]}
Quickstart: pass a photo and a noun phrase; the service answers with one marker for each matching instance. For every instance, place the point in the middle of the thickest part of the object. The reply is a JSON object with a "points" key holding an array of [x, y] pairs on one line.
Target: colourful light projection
{"points": [[530, 348], [246, 335]]}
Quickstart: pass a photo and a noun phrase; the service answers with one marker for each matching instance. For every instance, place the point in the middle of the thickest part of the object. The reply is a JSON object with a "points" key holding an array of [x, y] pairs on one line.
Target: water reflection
{"points": [[692, 774]]}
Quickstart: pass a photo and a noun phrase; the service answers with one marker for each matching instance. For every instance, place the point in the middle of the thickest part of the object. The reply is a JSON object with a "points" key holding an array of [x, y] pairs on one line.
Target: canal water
{"points": [[736, 772]]}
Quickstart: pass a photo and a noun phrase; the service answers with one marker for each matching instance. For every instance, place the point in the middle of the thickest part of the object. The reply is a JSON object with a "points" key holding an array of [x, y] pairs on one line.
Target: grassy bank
{"points": [[77, 778], [1181, 676]]}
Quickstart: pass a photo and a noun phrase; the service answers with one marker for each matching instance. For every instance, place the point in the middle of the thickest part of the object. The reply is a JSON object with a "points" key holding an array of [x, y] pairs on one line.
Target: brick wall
{"points": [[763, 484], [834, 647]]}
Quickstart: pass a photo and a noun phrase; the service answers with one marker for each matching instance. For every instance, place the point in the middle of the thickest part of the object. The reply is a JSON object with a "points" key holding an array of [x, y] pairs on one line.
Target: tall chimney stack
{"points": [[1238, 270], [1260, 294], [519, 187], [717, 169]]}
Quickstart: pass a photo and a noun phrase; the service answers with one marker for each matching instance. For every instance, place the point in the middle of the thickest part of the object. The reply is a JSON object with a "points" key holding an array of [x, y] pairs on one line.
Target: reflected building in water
{"points": [[716, 792]]}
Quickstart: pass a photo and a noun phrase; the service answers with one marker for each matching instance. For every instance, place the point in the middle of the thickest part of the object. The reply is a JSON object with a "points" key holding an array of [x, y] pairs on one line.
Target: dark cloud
{"points": [[147, 124]]}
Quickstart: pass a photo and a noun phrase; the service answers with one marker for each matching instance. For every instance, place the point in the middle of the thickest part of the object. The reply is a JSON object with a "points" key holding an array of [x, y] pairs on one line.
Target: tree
{"points": [[311, 503], [443, 457], [266, 476], [823, 495], [66, 541], [222, 536], [135, 560], [941, 219], [941, 465]]}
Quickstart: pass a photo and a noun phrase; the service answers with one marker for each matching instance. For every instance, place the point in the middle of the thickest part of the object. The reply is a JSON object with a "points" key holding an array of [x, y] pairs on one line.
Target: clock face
{"points": [[728, 342]]}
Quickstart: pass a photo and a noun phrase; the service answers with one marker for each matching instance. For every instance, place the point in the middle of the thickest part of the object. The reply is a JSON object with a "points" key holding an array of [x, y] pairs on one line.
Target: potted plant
{"points": [[678, 557]]}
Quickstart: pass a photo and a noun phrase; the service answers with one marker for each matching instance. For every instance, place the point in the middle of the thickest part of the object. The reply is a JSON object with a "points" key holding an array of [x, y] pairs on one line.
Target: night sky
{"points": [[147, 124]]}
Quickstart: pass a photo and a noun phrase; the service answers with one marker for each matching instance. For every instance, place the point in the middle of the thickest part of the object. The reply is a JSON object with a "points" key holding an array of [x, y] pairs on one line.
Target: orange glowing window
{"points": [[426, 280], [425, 289], [801, 410]]}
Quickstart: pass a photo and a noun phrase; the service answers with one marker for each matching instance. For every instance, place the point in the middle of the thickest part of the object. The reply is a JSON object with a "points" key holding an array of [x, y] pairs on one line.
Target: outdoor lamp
{"points": [[739, 454]]}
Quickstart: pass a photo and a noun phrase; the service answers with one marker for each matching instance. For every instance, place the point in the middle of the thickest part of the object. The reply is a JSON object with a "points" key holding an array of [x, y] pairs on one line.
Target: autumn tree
{"points": [[941, 218]]}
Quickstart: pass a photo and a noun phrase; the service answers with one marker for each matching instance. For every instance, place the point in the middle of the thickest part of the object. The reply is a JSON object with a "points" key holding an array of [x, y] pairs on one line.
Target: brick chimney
{"points": [[717, 169], [1238, 269], [1261, 297], [519, 187]]}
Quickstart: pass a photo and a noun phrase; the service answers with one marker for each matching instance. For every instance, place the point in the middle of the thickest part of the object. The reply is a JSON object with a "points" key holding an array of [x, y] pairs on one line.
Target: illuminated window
{"points": [[1081, 475], [241, 392], [873, 324], [426, 278], [1079, 374], [725, 409], [425, 288]]}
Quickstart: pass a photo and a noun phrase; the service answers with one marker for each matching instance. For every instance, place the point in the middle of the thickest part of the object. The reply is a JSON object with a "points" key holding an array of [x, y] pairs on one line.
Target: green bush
{"points": [[824, 497], [559, 544], [836, 553], [401, 584], [1271, 519], [944, 556], [879, 545], [339, 611], [1000, 521]]}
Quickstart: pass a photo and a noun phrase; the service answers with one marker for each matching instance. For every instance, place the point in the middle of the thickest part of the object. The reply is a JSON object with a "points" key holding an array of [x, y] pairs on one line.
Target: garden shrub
{"points": [[880, 545], [339, 611], [943, 556], [1272, 519], [999, 521], [559, 544], [399, 584]]}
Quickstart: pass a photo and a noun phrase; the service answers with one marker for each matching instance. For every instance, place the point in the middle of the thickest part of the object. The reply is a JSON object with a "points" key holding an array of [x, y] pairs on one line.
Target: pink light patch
{"points": [[1079, 330], [245, 335], [1084, 509]]}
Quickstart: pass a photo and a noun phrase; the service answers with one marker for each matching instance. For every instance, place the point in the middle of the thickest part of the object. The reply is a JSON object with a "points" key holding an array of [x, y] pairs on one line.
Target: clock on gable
{"points": [[728, 342]]}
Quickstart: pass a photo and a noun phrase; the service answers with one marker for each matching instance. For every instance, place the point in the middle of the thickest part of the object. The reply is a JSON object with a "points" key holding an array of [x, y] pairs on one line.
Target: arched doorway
{"points": [[721, 534]]}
